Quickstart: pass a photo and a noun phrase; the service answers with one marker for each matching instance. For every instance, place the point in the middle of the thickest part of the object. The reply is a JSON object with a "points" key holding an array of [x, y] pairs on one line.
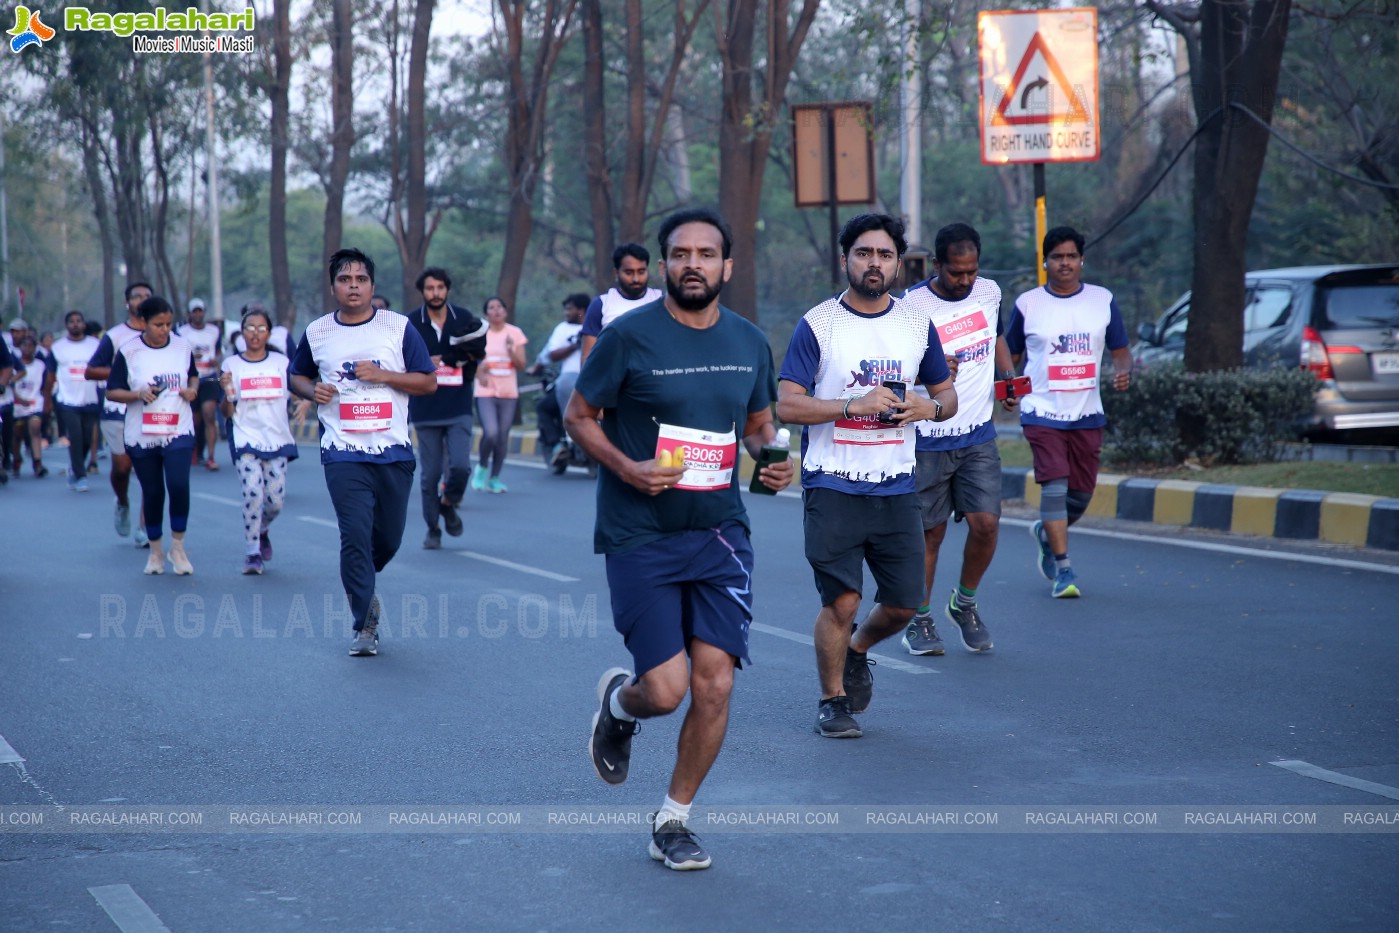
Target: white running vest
{"points": [[158, 423], [1064, 343], [967, 329], [119, 335], [260, 414], [71, 356], [614, 305], [363, 417]]}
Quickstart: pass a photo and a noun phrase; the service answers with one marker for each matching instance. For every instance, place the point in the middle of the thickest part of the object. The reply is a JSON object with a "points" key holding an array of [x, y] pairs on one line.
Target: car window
{"points": [[1172, 331], [1268, 307], [1361, 306]]}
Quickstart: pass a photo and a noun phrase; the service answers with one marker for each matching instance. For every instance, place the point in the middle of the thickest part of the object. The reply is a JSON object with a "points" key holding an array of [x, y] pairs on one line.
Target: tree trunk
{"points": [[633, 216], [746, 126], [524, 135], [162, 209], [279, 92], [96, 186], [416, 235], [342, 136], [595, 144]]}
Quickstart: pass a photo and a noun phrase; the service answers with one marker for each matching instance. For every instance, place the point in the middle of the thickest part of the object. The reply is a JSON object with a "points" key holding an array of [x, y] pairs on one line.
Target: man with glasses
{"points": [[1060, 330], [847, 376]]}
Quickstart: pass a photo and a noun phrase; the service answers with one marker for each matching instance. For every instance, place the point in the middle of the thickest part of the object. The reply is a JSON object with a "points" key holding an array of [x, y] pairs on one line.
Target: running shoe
{"points": [[451, 521], [834, 720], [366, 643], [479, 476], [1046, 557], [559, 463], [1065, 585], [211, 465], [252, 565], [497, 486], [675, 845], [858, 680], [139, 537], [921, 636], [264, 547], [80, 486], [40, 471], [975, 638], [122, 520], [433, 541], [155, 562], [610, 744], [179, 560]]}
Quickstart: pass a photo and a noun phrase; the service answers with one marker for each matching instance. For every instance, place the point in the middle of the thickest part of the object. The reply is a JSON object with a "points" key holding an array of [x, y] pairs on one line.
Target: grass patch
{"points": [[1374, 479]]}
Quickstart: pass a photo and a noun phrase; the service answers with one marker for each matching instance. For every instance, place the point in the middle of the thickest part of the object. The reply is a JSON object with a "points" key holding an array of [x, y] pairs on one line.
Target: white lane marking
{"points": [[1332, 777], [318, 521], [7, 754], [221, 500], [884, 660], [127, 910], [523, 568]]}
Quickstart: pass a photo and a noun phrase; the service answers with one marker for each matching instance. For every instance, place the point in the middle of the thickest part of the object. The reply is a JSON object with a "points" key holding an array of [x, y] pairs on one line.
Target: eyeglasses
{"points": [[256, 328]]}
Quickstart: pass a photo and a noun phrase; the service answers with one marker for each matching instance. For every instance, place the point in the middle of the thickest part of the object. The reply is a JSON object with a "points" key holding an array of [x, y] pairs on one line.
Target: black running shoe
{"points": [[834, 720], [858, 680], [675, 845], [975, 638], [610, 745], [433, 541], [451, 521]]}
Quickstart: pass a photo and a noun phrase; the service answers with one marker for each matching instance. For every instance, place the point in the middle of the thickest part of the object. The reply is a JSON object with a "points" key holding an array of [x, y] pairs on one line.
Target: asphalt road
{"points": [[202, 751]]}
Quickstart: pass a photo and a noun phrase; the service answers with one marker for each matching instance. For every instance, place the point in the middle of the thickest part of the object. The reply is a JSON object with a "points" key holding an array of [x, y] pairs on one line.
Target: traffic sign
{"points": [[1039, 86]]}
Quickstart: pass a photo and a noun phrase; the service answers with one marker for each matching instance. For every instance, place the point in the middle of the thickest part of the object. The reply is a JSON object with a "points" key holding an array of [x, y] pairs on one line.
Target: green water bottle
{"points": [[776, 452]]}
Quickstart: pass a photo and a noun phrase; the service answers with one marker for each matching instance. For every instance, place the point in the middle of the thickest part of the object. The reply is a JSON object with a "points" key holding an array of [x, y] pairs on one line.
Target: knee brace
{"points": [[1052, 500], [1077, 503]]}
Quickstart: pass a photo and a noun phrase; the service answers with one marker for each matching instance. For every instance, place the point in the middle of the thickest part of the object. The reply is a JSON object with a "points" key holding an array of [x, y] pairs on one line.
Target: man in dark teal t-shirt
{"points": [[677, 383]]}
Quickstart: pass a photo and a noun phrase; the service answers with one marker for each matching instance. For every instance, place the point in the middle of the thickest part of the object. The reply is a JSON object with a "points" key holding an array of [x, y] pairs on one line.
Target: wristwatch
{"points": [[937, 415]]}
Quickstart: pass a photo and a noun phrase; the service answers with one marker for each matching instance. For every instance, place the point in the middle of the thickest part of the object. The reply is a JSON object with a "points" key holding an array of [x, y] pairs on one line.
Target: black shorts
{"points": [[695, 584], [209, 391], [844, 532]]}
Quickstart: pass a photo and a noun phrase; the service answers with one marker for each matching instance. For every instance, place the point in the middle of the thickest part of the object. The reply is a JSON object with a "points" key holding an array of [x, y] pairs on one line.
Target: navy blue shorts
{"points": [[695, 584]]}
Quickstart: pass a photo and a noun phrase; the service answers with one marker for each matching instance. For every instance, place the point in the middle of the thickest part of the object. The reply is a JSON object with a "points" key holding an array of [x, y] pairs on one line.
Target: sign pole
{"points": [[1041, 228], [830, 121]]}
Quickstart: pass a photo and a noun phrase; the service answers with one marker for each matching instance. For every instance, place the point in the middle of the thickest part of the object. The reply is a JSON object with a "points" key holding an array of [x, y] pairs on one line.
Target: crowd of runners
{"points": [[657, 389]]}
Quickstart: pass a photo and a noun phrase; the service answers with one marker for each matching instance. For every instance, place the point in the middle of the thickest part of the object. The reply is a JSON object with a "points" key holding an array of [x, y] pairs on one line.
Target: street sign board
{"points": [[852, 123], [1039, 85]]}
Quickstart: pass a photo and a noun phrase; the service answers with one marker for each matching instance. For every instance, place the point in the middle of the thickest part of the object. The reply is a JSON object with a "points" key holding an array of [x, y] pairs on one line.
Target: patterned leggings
{"points": [[264, 490]]}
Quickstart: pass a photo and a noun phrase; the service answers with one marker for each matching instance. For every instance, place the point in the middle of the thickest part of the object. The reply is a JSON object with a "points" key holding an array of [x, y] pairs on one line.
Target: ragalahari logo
{"points": [[29, 30]]}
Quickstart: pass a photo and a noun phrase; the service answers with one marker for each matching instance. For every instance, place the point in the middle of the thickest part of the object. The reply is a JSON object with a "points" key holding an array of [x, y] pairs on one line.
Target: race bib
{"points": [[256, 387], [708, 458], [204, 367], [447, 375], [366, 411], [77, 374], [1073, 376], [965, 330], [499, 365], [867, 431]]}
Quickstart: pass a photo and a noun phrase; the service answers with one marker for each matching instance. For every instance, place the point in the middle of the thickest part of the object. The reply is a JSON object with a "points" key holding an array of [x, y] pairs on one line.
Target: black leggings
{"points": [[158, 469]]}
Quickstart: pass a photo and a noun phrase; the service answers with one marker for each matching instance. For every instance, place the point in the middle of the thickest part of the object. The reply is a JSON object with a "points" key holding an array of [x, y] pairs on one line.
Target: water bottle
{"points": [[776, 452]]}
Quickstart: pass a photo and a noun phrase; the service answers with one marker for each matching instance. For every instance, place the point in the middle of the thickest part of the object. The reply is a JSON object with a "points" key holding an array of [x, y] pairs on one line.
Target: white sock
{"points": [[670, 810], [614, 704]]}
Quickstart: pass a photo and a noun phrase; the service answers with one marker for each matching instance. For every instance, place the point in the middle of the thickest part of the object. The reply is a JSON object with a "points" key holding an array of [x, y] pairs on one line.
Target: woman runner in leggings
{"points": [[497, 395], [155, 376], [255, 392]]}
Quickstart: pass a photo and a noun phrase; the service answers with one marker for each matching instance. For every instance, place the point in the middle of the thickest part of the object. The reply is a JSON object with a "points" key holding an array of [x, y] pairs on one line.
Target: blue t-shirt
{"points": [[648, 369]]}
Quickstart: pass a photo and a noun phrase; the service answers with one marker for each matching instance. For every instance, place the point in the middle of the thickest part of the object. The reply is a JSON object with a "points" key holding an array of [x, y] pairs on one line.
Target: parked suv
{"points": [[1339, 322]]}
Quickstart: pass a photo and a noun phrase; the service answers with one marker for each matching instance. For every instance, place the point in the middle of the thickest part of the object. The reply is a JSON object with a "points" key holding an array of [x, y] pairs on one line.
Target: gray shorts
{"points": [[844, 532], [967, 479], [114, 436]]}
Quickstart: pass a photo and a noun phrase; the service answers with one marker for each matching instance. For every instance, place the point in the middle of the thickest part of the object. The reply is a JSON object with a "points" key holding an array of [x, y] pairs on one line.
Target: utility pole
{"points": [[911, 128], [212, 169], [5, 221]]}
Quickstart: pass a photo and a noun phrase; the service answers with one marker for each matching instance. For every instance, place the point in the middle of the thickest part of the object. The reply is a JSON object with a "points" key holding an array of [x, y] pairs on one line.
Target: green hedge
{"points": [[1236, 416]]}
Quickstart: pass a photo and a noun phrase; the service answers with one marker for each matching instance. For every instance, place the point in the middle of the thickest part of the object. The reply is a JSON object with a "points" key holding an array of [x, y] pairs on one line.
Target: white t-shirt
{"points": [[115, 338], [968, 330], [1063, 338], [29, 387], [205, 343], [169, 417], [564, 334], [70, 357], [260, 392]]}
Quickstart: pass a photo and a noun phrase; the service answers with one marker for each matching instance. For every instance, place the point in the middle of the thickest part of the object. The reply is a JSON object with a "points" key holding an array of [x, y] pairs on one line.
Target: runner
{"points": [[497, 395], [32, 382], [204, 338], [255, 392], [114, 413], [679, 377], [360, 365], [76, 397], [845, 376], [631, 266], [155, 377]]}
